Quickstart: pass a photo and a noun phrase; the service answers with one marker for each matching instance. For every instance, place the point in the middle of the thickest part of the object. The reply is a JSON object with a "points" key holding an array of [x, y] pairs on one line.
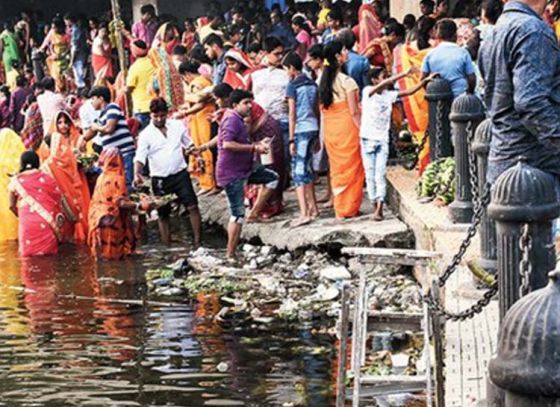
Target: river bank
{"points": [[292, 274]]}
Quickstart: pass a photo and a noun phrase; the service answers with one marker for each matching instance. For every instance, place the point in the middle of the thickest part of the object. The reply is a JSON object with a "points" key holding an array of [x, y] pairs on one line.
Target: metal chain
{"points": [[525, 267], [473, 171], [439, 128], [471, 232], [466, 314], [485, 300]]}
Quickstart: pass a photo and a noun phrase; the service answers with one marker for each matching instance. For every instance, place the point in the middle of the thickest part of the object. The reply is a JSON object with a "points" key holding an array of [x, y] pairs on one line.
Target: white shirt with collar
{"points": [[165, 153]]}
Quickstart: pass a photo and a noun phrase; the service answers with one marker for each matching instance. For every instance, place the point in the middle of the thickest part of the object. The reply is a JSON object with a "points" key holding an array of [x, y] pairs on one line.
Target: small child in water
{"points": [[377, 107]]}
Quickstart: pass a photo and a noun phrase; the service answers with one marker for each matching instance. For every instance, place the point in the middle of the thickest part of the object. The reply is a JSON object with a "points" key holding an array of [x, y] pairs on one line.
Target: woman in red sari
{"points": [[239, 69], [36, 200], [61, 164], [111, 232]]}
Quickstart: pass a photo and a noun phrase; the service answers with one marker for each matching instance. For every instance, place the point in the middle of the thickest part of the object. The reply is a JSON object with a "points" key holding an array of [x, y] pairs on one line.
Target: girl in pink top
{"points": [[303, 36]]}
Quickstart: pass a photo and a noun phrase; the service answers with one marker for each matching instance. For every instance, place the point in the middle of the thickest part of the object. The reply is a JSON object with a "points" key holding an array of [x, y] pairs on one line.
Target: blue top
{"points": [[520, 63], [78, 43], [305, 93], [453, 63], [357, 67], [121, 137], [219, 70], [284, 33]]}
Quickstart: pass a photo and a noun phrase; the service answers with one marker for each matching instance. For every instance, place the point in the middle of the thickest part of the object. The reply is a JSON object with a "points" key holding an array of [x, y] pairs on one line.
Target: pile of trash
{"points": [[265, 284]]}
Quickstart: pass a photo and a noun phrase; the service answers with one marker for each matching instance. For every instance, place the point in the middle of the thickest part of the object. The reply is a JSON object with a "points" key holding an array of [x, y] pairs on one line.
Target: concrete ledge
{"points": [[325, 231], [430, 224]]}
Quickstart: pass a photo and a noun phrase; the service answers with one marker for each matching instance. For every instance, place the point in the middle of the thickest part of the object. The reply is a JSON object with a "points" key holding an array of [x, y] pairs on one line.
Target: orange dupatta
{"points": [[62, 166], [415, 106], [110, 229]]}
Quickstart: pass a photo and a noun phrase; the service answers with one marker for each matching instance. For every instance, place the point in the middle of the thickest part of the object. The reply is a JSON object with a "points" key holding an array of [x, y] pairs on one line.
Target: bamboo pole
{"points": [[120, 48]]}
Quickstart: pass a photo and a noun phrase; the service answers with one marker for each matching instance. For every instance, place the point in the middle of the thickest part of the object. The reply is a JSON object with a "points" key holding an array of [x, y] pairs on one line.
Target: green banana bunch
{"points": [[438, 180]]}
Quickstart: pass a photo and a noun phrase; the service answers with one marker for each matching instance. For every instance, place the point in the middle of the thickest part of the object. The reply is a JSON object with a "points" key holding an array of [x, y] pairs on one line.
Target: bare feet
{"points": [[378, 214], [302, 220]]}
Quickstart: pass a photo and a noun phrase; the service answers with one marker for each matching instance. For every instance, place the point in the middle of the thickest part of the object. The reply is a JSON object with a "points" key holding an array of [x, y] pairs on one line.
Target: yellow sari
{"points": [[11, 148], [415, 106], [200, 130]]}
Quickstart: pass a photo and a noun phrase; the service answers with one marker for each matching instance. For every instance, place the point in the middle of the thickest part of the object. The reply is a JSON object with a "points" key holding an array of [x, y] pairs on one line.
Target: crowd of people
{"points": [[246, 102]]}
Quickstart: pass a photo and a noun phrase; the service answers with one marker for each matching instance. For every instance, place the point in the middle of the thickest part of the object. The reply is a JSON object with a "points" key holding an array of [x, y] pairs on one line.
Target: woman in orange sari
{"points": [[36, 200], [111, 232], [411, 55], [339, 98], [198, 109], [62, 166]]}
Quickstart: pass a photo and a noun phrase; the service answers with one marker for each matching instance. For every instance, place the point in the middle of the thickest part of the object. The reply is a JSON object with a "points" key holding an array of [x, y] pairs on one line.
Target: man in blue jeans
{"points": [[235, 167]]}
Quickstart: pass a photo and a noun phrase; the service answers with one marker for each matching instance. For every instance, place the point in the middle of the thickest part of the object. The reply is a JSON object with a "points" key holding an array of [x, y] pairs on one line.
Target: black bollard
{"points": [[467, 112], [527, 360], [481, 147], [439, 97], [524, 205]]}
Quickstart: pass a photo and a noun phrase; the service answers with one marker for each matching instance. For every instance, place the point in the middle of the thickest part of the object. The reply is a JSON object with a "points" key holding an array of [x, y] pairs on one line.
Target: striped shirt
{"points": [[121, 137]]}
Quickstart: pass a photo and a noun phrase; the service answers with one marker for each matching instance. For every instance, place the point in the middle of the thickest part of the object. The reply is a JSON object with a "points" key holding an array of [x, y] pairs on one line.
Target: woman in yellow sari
{"points": [[11, 149], [411, 55], [339, 98], [58, 45], [198, 112]]}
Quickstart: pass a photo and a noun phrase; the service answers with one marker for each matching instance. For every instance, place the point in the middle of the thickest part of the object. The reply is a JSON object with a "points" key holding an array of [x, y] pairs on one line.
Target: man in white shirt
{"points": [[88, 116], [163, 142]]}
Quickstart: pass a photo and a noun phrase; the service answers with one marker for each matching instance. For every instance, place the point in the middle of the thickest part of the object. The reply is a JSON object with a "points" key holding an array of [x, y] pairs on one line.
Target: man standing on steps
{"points": [[520, 63], [235, 169], [163, 143]]}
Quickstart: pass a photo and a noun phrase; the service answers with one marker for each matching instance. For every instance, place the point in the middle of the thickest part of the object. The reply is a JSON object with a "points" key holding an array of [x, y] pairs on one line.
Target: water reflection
{"points": [[68, 336]]}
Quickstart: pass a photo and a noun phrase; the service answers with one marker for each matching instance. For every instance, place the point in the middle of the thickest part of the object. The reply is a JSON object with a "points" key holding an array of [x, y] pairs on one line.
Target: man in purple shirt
{"points": [[235, 166], [146, 28]]}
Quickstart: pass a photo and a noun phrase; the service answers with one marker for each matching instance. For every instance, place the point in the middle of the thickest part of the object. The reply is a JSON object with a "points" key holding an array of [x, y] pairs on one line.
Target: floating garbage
{"points": [[265, 284]]}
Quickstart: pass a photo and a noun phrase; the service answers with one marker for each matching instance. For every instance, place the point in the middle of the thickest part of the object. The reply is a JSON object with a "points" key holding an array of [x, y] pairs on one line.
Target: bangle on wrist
{"points": [[292, 141]]}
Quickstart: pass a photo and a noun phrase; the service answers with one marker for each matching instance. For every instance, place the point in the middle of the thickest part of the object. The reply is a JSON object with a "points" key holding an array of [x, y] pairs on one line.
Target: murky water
{"points": [[65, 341]]}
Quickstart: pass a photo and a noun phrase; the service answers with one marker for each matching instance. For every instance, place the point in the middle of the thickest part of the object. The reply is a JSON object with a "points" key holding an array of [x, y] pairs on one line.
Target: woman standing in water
{"points": [[111, 233], [36, 200], [11, 149], [63, 167]]}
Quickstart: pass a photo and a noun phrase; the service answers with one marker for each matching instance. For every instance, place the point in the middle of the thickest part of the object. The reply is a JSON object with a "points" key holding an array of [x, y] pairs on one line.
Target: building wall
{"points": [[399, 8]]}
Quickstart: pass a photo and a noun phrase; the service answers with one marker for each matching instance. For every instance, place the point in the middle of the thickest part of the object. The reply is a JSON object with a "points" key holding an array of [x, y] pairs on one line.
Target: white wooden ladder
{"points": [[364, 321]]}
